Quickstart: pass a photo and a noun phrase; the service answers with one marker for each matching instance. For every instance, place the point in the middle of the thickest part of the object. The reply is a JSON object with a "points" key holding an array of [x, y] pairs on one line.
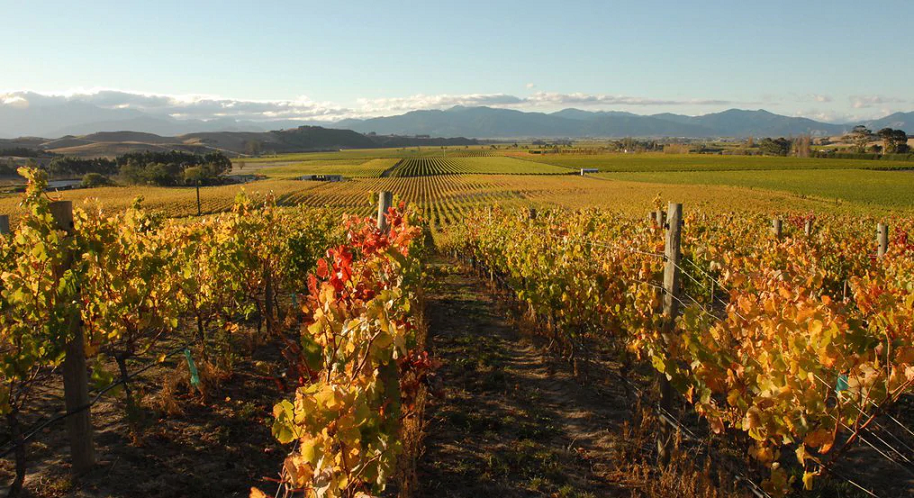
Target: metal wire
{"points": [[88, 405]]}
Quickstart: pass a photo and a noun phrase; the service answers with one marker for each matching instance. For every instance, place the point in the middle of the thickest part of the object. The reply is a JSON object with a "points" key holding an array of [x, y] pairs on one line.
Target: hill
{"points": [[300, 139]]}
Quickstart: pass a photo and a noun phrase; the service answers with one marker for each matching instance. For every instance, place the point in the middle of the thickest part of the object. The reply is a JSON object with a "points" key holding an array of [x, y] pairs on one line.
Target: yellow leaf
{"points": [[807, 480]]}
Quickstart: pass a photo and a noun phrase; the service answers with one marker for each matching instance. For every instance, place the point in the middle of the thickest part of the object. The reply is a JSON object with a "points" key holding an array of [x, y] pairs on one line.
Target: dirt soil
{"points": [[510, 422], [218, 446]]}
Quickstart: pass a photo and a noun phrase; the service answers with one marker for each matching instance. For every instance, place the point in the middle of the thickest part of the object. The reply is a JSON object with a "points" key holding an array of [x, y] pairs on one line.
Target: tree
{"points": [[253, 147], [775, 147], [888, 139], [92, 180], [901, 142], [860, 136], [893, 141], [802, 146]]}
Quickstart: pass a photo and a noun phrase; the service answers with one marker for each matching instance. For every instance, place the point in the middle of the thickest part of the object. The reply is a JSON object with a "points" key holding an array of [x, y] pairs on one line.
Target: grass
{"points": [[656, 162], [890, 189]]}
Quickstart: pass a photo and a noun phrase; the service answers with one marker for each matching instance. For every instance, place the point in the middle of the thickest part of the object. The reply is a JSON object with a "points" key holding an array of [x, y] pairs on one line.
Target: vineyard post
{"points": [[268, 295], [199, 212], [4, 224], [384, 202], [777, 227], [882, 239], [808, 227], [673, 255], [75, 378], [531, 213]]}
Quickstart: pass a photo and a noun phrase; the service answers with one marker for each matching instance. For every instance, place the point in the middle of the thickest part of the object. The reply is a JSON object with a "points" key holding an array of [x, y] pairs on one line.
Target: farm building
{"points": [[585, 171], [321, 178]]}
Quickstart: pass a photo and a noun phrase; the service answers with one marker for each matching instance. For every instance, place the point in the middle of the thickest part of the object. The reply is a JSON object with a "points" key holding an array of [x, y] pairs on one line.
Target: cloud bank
{"points": [[209, 107]]}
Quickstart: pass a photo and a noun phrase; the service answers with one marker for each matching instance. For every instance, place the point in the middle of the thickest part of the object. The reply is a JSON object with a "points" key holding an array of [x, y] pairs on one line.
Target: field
{"points": [[173, 202], [655, 162], [445, 188], [890, 189]]}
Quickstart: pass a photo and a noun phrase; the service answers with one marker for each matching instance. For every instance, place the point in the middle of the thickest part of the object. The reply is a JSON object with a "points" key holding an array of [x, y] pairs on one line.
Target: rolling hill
{"points": [[301, 139]]}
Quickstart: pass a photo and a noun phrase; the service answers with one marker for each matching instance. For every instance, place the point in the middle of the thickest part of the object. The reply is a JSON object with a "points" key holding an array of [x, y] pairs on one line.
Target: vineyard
{"points": [[307, 328], [472, 165], [802, 339], [87, 291]]}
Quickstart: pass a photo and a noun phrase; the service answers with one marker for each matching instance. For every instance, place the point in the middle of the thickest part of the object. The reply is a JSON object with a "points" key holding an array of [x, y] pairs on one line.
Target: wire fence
{"points": [[887, 449], [31, 433]]}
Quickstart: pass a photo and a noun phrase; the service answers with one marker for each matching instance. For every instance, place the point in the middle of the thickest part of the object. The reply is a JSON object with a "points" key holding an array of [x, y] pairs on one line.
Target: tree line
{"points": [[142, 168]]}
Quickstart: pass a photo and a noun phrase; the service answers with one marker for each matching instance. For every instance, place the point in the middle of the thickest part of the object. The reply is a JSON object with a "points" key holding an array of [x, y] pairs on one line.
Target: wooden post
{"points": [[4, 224], [671, 277], [882, 239], [268, 296], [199, 212], [808, 228], [777, 228], [384, 202], [531, 213], [660, 217], [75, 377]]}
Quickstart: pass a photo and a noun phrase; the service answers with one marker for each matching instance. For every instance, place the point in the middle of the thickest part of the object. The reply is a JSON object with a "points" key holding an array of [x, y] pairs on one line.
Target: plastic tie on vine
{"points": [[192, 367]]}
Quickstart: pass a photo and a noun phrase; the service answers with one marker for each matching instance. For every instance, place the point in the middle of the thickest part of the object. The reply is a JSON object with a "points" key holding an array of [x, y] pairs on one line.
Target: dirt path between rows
{"points": [[509, 421]]}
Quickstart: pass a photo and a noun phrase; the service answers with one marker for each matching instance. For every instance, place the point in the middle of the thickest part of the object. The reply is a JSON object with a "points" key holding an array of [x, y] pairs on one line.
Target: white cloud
{"points": [[865, 101], [530, 85], [186, 106], [207, 107], [560, 99], [421, 101]]}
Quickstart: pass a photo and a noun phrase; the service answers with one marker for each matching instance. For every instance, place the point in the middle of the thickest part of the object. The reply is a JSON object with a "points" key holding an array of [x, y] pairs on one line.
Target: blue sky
{"points": [[835, 60]]}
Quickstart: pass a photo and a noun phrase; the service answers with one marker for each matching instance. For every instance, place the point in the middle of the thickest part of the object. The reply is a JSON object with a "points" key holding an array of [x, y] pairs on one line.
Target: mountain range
{"points": [[486, 122], [82, 118]]}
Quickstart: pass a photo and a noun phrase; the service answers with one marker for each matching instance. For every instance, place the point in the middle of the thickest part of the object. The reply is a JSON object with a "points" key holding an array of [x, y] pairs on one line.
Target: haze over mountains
{"points": [[82, 118]]}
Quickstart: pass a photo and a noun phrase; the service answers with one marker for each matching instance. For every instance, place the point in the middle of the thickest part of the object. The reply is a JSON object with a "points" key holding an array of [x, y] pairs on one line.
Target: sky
{"points": [[835, 61]]}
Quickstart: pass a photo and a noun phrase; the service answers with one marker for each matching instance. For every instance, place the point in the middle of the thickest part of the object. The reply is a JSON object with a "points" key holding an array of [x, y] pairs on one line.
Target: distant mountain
{"points": [[899, 120], [572, 113], [77, 118], [761, 123], [59, 119], [485, 122]]}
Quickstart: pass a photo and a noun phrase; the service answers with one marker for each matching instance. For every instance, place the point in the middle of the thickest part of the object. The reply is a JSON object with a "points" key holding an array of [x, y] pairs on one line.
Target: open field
{"points": [[649, 162], [880, 188], [446, 188]]}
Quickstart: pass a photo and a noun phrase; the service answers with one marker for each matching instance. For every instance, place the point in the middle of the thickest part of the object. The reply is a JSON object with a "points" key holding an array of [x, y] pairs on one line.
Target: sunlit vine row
{"points": [[794, 340]]}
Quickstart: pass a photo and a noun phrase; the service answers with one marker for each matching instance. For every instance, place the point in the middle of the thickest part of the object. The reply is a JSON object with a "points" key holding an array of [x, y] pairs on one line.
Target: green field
{"points": [[892, 189], [708, 162]]}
